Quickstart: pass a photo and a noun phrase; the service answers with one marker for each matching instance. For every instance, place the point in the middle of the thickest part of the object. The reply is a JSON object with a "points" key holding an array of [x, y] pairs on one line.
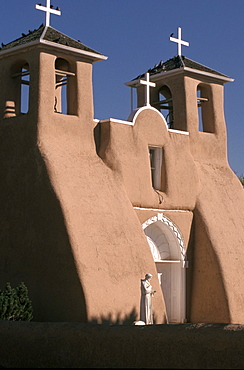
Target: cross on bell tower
{"points": [[147, 84], [179, 41], [48, 9]]}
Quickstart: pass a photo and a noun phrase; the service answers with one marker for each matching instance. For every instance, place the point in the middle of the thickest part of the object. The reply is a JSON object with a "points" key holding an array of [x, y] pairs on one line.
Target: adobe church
{"points": [[89, 207]]}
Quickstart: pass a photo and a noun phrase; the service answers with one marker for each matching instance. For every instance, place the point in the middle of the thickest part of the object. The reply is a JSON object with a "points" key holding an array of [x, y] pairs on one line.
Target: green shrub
{"points": [[241, 178], [15, 304]]}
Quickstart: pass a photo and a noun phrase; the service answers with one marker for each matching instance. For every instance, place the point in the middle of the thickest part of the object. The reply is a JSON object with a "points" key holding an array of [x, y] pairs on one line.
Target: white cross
{"points": [[48, 11], [148, 84], [179, 41]]}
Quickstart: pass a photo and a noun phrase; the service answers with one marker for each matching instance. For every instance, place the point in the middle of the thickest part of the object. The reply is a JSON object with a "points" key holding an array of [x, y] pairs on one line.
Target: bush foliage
{"points": [[15, 304], [241, 178]]}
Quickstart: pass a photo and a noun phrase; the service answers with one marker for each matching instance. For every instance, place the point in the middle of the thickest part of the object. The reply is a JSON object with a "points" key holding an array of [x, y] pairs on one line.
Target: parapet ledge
{"points": [[133, 116], [178, 132], [114, 120]]}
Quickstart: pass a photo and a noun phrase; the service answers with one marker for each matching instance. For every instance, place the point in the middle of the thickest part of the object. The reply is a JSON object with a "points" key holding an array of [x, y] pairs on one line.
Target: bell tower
{"points": [[190, 97], [46, 133], [47, 74]]}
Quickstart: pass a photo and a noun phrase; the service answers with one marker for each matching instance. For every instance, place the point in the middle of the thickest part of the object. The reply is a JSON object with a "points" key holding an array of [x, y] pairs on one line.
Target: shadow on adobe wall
{"points": [[35, 245], [205, 288], [119, 320]]}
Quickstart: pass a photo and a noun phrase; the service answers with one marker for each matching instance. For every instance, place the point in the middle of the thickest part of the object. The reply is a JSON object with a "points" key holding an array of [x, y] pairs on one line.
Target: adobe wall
{"points": [[68, 229], [124, 149], [204, 193], [219, 231], [68, 226], [62, 204], [218, 218], [77, 345]]}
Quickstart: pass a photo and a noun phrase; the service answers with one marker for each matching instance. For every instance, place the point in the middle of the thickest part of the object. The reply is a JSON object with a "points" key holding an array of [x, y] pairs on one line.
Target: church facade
{"points": [[89, 207]]}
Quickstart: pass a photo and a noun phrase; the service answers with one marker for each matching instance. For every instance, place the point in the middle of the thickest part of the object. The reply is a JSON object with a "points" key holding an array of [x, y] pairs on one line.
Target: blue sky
{"points": [[134, 35]]}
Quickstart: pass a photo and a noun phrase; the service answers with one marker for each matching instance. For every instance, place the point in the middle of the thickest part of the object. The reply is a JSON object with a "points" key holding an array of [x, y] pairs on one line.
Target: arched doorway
{"points": [[167, 246]]}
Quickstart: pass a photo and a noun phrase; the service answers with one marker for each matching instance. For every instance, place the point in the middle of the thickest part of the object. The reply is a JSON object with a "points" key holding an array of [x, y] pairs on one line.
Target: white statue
{"points": [[147, 292]]}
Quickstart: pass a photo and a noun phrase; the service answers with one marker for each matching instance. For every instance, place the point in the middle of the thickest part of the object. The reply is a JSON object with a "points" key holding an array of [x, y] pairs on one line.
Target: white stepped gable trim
{"points": [[171, 225]]}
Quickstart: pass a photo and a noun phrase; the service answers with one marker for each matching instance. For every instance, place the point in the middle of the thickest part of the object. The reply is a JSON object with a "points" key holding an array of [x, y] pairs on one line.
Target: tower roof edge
{"points": [[49, 34], [180, 62]]}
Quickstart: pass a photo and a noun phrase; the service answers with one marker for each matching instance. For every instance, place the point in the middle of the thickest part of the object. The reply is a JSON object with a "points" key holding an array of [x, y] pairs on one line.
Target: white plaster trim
{"points": [[178, 131], [116, 121], [156, 77], [133, 116], [94, 56], [172, 226], [17, 48], [168, 261], [43, 32], [74, 50], [208, 74], [161, 210], [136, 112]]}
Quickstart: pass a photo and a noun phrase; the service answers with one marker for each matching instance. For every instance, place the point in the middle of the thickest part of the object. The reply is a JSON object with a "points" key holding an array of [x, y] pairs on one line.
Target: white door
{"points": [[164, 276], [169, 262], [169, 275]]}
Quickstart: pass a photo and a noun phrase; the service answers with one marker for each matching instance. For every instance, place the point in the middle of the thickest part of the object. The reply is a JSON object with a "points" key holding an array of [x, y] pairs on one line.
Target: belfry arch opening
{"points": [[65, 101], [205, 108], [165, 105], [25, 88], [168, 251], [18, 94]]}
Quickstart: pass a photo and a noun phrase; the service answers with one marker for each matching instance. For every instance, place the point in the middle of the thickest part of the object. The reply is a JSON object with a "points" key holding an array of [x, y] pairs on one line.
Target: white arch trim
{"points": [[172, 226], [133, 116]]}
